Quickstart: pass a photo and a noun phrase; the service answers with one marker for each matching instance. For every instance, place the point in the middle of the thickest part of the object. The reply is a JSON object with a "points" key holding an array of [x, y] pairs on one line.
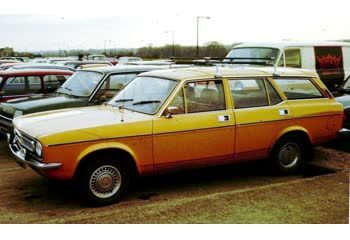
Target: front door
{"points": [[200, 130]]}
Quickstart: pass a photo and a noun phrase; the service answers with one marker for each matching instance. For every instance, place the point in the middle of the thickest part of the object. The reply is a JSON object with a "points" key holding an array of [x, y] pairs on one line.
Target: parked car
{"points": [[86, 87], [113, 60], [9, 65], [97, 57], [125, 60], [9, 61], [345, 101], [77, 64], [173, 119], [21, 59], [42, 66], [329, 59], [30, 82]]}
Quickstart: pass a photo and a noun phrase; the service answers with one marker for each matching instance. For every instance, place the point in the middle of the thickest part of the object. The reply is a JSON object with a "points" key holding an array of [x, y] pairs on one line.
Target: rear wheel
{"points": [[101, 181], [289, 154]]}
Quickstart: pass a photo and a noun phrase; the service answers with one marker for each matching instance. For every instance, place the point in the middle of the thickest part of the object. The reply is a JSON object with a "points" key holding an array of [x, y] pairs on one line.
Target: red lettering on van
{"points": [[329, 61]]}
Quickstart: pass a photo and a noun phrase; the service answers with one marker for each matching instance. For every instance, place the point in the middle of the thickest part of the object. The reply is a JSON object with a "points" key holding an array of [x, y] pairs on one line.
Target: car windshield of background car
{"points": [[144, 94], [254, 53], [81, 84]]}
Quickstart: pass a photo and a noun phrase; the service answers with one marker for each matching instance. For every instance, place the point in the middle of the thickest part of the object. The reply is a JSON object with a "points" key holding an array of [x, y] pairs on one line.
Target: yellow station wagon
{"points": [[172, 119]]}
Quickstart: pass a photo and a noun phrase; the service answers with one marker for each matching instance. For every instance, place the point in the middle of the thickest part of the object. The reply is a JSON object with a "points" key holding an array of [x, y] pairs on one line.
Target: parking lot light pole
{"points": [[172, 34], [198, 17]]}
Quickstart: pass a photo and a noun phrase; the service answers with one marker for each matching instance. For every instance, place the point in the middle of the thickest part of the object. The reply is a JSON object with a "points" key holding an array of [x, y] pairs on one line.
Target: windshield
{"points": [[254, 55], [144, 94], [81, 84]]}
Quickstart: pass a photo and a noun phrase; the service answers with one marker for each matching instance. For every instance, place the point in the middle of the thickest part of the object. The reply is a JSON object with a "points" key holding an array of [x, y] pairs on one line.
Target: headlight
{"points": [[38, 149], [17, 114]]}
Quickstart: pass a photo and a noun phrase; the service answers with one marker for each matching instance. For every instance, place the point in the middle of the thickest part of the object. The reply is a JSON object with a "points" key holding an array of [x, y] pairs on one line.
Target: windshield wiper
{"points": [[124, 100], [146, 102]]}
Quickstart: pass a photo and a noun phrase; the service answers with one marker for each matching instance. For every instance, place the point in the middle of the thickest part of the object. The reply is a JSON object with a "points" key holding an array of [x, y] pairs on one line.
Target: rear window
{"points": [[299, 88]]}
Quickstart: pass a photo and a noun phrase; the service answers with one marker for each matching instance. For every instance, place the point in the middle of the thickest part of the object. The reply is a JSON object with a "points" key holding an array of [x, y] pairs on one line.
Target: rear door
{"points": [[260, 115]]}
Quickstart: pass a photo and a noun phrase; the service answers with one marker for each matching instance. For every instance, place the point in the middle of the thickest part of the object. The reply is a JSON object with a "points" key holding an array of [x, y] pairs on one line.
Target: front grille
{"points": [[25, 141], [5, 120]]}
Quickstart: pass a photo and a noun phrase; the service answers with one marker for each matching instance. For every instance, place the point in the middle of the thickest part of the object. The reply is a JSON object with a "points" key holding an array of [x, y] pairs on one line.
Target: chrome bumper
{"points": [[343, 132], [20, 157]]}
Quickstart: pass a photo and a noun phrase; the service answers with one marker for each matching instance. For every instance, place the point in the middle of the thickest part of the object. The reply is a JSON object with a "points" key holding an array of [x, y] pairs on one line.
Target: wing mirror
{"points": [[169, 111]]}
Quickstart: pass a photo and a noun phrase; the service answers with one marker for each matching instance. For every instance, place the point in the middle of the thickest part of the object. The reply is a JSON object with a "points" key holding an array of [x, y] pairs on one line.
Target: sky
{"points": [[51, 25]]}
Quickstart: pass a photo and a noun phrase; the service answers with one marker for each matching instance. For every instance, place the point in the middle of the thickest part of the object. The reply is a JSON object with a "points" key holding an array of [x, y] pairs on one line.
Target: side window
{"points": [[15, 85], [298, 88], [112, 85], [178, 104], [248, 93], [51, 83], [293, 58], [34, 84], [273, 95], [204, 96]]}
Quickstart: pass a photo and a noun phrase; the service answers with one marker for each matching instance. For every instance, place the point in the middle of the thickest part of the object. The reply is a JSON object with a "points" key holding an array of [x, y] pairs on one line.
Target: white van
{"points": [[331, 60]]}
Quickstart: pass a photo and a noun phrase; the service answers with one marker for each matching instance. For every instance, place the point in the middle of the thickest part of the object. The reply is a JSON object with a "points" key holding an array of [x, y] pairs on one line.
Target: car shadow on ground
{"points": [[42, 193]]}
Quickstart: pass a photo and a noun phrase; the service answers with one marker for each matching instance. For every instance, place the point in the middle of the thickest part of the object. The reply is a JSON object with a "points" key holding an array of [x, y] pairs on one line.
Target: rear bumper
{"points": [[343, 132]]}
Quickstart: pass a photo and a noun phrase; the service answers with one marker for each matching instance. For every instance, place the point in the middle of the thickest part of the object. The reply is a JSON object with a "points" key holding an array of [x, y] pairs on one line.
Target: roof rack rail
{"points": [[209, 61]]}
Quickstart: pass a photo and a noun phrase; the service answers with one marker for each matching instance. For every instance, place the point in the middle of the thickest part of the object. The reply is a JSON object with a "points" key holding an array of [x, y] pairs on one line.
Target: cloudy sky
{"points": [[49, 25]]}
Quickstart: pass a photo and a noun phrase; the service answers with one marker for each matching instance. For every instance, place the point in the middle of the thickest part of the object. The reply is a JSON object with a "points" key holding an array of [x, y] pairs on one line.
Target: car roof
{"points": [[284, 44], [125, 68], [212, 72], [15, 72]]}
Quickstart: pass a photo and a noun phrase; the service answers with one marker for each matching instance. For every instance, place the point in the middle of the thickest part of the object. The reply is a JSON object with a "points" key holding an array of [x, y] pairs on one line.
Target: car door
{"points": [[200, 130], [260, 116]]}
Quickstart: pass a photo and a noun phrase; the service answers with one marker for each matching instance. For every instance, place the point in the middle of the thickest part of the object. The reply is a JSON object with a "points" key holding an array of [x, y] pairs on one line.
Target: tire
{"points": [[102, 182], [289, 154]]}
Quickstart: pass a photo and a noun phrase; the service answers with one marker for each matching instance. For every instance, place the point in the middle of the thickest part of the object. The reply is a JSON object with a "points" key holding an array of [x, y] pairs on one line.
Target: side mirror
{"points": [[169, 111], [342, 90]]}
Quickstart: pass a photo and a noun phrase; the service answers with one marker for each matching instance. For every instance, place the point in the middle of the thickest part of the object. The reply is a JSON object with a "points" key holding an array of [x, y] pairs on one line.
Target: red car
{"points": [[29, 82]]}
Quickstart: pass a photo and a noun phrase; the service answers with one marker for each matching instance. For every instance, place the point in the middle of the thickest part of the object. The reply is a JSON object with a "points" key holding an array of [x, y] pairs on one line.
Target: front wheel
{"points": [[289, 154], [102, 182]]}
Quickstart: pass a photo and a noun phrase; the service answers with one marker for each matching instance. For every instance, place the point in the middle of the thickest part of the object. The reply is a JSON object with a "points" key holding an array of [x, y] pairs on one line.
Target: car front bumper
{"points": [[21, 158]]}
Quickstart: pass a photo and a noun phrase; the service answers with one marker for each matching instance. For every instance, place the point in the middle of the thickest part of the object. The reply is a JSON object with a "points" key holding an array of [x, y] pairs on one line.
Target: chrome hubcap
{"points": [[289, 155], [105, 181]]}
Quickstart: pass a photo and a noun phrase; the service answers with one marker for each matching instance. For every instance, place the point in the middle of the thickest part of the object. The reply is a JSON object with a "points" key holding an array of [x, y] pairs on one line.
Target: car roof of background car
{"points": [[284, 44], [126, 68], [42, 65], [213, 72], [31, 71]]}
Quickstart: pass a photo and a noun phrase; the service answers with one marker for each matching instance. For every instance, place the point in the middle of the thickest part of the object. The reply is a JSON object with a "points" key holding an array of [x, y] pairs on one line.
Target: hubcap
{"points": [[105, 181], [289, 155]]}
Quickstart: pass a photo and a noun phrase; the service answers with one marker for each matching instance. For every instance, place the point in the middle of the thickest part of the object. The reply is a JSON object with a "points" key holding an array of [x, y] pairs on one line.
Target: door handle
{"points": [[223, 118], [283, 112]]}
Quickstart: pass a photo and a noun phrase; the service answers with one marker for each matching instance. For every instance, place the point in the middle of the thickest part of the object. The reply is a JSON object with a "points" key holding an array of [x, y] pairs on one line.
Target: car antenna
{"points": [[217, 72], [275, 71], [121, 110]]}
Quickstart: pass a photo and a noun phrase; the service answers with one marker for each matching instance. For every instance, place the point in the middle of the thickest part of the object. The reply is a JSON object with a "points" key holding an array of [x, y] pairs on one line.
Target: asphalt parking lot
{"points": [[239, 193]]}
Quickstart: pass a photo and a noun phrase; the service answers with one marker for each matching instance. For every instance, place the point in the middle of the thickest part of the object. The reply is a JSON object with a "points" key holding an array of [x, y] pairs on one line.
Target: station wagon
{"points": [[173, 119]]}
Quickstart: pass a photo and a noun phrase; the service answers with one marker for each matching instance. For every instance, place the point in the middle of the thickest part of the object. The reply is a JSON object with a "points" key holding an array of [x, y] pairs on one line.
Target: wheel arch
{"points": [[295, 131], [115, 149]]}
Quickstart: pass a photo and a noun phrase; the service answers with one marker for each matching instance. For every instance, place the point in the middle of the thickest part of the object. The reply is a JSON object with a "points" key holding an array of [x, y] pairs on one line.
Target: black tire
{"points": [[101, 181], [289, 154]]}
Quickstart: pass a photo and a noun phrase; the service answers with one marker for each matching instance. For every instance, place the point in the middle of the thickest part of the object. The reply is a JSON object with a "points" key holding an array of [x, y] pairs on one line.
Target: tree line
{"points": [[210, 49]]}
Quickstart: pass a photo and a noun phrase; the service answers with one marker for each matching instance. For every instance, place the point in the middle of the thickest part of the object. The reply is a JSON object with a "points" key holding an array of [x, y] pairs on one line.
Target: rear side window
{"points": [[52, 82], [248, 93], [299, 88], [273, 95]]}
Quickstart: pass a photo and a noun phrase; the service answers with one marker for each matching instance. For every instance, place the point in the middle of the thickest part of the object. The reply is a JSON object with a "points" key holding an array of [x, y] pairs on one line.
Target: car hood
{"points": [[83, 124], [32, 105], [344, 100]]}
